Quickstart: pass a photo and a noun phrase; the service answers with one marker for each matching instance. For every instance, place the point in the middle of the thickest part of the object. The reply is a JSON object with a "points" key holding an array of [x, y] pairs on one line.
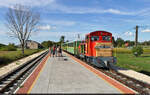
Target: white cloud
{"points": [[8, 3], [146, 30], [47, 27], [83, 10], [116, 11], [128, 33], [60, 22], [48, 5], [57, 7]]}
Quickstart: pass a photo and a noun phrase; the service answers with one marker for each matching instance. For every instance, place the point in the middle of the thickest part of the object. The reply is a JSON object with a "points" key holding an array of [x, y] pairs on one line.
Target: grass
{"points": [[126, 50], [10, 56], [127, 60], [121, 50]]}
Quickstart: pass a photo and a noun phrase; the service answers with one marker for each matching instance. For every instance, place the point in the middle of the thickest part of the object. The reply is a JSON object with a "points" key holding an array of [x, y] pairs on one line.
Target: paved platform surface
{"points": [[133, 74], [68, 76]]}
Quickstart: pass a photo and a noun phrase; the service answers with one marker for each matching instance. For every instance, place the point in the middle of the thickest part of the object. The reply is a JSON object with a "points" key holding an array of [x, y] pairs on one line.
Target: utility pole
{"points": [[78, 36], [136, 36]]}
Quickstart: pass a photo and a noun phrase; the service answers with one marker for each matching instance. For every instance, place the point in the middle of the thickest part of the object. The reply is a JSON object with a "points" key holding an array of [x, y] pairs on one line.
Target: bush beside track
{"points": [[126, 59], [7, 57]]}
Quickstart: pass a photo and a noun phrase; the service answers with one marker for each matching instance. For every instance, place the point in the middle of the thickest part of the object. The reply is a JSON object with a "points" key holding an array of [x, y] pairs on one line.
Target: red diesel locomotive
{"points": [[96, 49]]}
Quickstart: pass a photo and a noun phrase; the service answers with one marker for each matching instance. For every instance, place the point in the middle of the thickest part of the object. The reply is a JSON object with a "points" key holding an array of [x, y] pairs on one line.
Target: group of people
{"points": [[56, 51]]}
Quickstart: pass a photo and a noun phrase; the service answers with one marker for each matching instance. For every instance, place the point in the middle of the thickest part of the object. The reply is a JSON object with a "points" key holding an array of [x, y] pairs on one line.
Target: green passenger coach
{"points": [[71, 47]]}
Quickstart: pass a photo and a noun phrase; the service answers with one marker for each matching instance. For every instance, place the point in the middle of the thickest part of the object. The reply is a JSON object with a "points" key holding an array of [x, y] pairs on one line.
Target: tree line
{"points": [[47, 44], [119, 42]]}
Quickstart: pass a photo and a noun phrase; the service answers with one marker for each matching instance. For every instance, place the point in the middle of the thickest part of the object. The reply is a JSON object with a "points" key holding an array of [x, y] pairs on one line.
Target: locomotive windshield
{"points": [[106, 38], [95, 38]]}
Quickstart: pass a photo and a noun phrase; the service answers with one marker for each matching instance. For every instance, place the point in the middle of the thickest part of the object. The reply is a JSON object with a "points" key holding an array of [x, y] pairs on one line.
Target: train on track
{"points": [[96, 49]]}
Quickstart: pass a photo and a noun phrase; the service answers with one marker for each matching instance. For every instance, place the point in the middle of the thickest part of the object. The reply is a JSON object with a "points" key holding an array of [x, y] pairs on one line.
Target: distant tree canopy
{"points": [[145, 43], [2, 45], [119, 42], [9, 47], [47, 44], [62, 39], [131, 43]]}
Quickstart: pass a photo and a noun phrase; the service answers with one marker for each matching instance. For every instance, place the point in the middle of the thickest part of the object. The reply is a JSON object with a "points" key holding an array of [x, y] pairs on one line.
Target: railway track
{"points": [[132, 83], [12, 80], [139, 86]]}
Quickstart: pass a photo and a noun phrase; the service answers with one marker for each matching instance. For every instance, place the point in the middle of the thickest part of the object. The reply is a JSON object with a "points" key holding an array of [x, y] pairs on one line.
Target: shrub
{"points": [[10, 47], [137, 51]]}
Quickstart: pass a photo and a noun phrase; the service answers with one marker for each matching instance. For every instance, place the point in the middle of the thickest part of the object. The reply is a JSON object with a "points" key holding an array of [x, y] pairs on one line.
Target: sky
{"points": [[73, 17]]}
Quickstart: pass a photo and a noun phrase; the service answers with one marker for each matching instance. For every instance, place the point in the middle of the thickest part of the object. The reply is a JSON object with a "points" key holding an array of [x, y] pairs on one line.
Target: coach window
{"points": [[106, 38], [95, 38]]}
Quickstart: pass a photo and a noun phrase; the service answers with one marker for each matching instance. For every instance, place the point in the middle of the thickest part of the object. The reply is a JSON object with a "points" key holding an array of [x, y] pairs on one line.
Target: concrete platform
{"points": [[67, 76], [132, 74]]}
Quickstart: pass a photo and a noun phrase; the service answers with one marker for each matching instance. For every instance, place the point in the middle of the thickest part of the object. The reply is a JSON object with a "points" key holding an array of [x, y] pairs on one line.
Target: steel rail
{"points": [[10, 81]]}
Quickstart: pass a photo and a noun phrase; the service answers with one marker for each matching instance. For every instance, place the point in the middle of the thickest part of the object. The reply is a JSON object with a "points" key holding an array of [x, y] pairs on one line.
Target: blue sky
{"points": [[73, 17]]}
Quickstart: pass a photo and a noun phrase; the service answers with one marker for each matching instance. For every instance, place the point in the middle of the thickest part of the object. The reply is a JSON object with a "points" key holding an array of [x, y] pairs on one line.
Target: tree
{"points": [[137, 51], [113, 42], [47, 44], [21, 21], [67, 41], [9, 47], [131, 43], [119, 42], [62, 39], [2, 45]]}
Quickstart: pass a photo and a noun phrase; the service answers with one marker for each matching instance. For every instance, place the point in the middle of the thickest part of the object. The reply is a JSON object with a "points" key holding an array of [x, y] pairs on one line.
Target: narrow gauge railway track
{"points": [[12, 80], [139, 86]]}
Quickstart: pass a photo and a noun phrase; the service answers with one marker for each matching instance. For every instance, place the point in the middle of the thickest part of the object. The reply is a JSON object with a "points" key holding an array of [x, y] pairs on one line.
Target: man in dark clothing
{"points": [[54, 48], [60, 51]]}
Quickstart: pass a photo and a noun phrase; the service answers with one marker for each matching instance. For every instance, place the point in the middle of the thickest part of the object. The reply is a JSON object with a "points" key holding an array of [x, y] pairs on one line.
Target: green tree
{"points": [[137, 51], [2, 45], [131, 43], [10, 47], [62, 39], [119, 42], [47, 44], [113, 41]]}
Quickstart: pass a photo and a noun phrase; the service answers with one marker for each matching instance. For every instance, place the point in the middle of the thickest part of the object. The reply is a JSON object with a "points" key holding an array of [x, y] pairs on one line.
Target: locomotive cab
{"points": [[100, 49]]}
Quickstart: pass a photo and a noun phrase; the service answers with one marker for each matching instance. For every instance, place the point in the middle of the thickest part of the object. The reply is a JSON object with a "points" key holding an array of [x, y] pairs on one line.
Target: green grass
{"points": [[10, 56], [127, 60], [126, 50], [121, 50]]}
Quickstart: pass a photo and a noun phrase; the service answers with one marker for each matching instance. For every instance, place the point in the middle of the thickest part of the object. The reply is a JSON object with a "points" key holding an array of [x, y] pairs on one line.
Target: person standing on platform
{"points": [[54, 48], [60, 51], [56, 51], [51, 51]]}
